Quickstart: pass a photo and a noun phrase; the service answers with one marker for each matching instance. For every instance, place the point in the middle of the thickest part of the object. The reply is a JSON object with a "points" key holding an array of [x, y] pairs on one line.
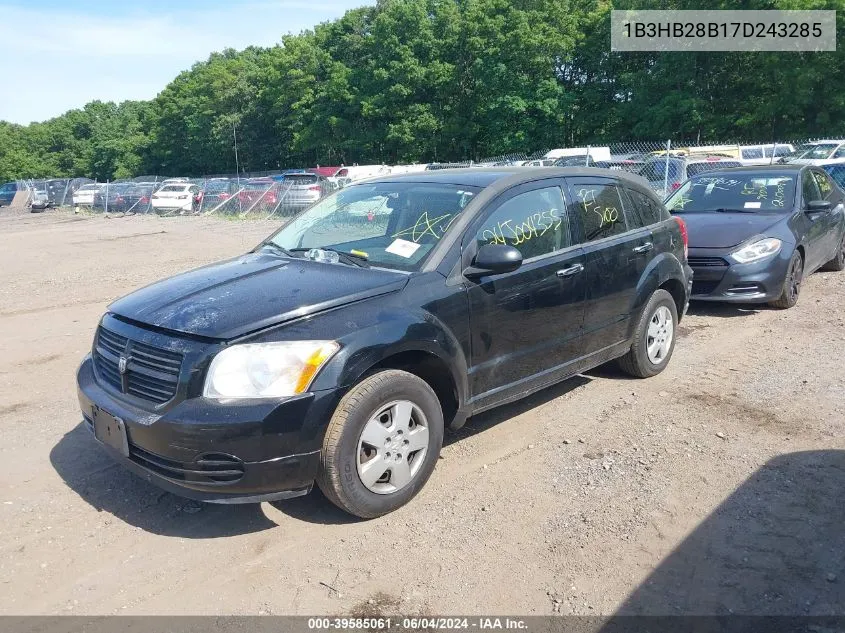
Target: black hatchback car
{"points": [[756, 232], [339, 348]]}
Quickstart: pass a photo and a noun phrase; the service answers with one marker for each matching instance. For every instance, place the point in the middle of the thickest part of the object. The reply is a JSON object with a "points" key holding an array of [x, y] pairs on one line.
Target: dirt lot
{"points": [[715, 487]]}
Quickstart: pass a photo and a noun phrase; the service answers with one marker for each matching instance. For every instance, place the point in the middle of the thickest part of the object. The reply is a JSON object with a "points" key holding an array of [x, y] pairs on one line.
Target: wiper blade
{"points": [[276, 247], [736, 210]]}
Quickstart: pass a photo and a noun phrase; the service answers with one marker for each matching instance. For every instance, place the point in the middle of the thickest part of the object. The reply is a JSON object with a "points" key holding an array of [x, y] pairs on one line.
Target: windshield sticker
{"points": [[403, 248], [713, 182], [753, 205]]}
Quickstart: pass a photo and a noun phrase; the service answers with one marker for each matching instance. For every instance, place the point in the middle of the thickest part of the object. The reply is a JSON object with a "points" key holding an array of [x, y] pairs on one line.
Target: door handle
{"points": [[572, 270], [645, 248]]}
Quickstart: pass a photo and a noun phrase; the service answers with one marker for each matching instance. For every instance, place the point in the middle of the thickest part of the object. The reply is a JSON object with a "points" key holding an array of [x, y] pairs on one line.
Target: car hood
{"points": [[238, 296], [722, 230]]}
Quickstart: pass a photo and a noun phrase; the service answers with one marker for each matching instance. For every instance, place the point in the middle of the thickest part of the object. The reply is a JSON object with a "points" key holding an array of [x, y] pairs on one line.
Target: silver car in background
{"points": [[298, 191]]}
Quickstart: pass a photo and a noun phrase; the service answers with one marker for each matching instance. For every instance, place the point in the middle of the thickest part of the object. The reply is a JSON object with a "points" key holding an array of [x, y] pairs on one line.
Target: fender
{"points": [[660, 269]]}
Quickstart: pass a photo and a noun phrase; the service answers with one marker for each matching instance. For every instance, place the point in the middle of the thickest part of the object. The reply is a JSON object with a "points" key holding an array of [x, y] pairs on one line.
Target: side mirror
{"points": [[494, 259], [818, 206]]}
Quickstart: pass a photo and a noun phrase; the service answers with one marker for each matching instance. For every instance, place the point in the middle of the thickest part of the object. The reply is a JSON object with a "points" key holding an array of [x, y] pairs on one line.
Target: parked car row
{"points": [[341, 347]]}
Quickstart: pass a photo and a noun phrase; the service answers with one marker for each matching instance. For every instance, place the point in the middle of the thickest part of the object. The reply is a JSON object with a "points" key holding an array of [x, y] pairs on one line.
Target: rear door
{"points": [[617, 249], [525, 325]]}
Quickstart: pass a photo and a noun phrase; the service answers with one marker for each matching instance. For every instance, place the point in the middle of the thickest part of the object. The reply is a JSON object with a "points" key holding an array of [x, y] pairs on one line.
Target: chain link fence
{"points": [[265, 195]]}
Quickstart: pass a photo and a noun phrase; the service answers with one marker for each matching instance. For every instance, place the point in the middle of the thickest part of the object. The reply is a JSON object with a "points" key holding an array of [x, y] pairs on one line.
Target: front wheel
{"points": [[791, 283], [381, 444], [654, 337]]}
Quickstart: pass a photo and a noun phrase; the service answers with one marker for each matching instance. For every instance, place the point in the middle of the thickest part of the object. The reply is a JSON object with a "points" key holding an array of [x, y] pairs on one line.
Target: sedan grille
{"points": [[706, 262], [148, 372]]}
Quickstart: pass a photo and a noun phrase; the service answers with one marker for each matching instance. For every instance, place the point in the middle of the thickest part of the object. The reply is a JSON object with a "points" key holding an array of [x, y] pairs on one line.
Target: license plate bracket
{"points": [[110, 430]]}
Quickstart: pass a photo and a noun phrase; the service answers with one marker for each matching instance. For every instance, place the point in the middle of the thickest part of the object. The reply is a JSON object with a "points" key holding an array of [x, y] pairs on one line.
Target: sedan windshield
{"points": [[394, 225], [818, 152], [743, 193]]}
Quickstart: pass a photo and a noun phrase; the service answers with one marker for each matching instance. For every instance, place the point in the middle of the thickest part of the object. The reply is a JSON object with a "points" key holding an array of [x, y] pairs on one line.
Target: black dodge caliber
{"points": [[339, 349], [756, 232]]}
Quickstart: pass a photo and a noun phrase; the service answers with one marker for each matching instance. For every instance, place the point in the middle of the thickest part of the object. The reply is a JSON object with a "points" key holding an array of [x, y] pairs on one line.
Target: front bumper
{"points": [[197, 448], [718, 278]]}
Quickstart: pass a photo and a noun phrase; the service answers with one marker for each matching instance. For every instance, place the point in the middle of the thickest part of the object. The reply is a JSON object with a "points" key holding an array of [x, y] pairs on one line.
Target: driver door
{"points": [[525, 326]]}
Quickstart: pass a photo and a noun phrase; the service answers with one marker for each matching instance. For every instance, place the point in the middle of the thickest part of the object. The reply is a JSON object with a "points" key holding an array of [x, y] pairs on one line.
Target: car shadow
{"points": [[90, 472], [487, 420], [725, 310], [775, 547]]}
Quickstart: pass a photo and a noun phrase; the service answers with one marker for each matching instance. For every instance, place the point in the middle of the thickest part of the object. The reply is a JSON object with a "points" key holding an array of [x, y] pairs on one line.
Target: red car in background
{"points": [[259, 191]]}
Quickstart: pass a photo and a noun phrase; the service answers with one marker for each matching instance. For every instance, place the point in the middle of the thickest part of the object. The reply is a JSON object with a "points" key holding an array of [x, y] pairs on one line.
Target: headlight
{"points": [[757, 250], [266, 370]]}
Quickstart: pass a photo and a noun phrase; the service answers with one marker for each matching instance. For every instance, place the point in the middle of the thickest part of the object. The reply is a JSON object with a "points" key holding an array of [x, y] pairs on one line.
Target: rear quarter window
{"points": [[647, 208]]}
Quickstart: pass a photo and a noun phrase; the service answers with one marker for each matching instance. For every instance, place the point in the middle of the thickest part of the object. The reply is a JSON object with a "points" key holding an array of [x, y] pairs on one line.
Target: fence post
{"points": [[666, 169], [587, 162], [772, 159], [64, 195], [106, 205]]}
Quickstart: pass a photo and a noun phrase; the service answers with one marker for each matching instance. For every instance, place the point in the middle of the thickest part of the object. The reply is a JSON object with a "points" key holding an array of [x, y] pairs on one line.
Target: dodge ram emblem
{"points": [[121, 364]]}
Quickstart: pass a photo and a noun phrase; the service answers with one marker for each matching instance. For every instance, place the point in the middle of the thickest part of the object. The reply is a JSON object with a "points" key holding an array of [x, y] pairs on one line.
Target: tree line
{"points": [[440, 80]]}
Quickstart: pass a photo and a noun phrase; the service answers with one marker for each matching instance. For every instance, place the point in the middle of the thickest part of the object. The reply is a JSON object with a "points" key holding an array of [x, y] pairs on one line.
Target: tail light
{"points": [[314, 188], [223, 196], [684, 234], [674, 186], [144, 200]]}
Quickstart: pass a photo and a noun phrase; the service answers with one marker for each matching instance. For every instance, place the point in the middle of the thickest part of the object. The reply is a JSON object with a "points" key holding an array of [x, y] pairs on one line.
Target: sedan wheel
{"points": [[654, 337], [838, 262], [792, 283]]}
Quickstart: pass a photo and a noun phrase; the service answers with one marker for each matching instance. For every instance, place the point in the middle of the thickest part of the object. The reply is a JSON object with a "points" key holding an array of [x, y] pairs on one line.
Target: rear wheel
{"points": [[838, 262], [654, 337], [791, 284], [382, 444]]}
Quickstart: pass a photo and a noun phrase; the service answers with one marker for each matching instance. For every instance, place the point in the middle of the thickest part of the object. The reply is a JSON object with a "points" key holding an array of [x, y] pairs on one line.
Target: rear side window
{"points": [[599, 210], [648, 209], [756, 152], [301, 179], [533, 222]]}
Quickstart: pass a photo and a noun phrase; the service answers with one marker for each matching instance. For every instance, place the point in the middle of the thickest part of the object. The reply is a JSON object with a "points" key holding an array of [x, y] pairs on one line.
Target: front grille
{"points": [[703, 287], [706, 262], [210, 469], [150, 373]]}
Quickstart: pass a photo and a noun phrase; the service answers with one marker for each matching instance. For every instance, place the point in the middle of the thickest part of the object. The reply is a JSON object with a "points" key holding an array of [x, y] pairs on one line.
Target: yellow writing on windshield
{"points": [[426, 225]]}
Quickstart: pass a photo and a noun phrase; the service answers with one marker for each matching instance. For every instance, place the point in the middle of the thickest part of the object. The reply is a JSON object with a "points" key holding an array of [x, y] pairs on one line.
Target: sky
{"points": [[56, 55]]}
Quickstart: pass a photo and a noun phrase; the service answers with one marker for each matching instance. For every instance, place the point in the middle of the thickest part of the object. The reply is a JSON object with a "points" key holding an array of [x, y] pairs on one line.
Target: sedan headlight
{"points": [[266, 370], [758, 250]]}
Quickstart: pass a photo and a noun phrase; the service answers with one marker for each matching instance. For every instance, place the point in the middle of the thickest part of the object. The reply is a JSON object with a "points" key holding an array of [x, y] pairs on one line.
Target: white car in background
{"points": [[819, 152], [175, 197], [84, 196], [762, 154]]}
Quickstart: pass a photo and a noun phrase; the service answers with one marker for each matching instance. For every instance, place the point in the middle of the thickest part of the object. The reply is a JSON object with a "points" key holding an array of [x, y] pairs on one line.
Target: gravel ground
{"points": [[716, 487]]}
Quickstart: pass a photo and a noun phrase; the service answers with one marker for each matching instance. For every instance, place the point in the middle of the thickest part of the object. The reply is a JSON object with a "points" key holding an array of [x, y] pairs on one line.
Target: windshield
{"points": [[300, 179], [258, 185], [168, 188], [216, 187], [821, 151], [395, 224], [746, 192]]}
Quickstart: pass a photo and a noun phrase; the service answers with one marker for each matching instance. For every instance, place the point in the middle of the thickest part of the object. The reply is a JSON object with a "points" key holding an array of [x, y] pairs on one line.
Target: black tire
{"points": [[338, 475], [637, 362], [791, 283], [838, 262]]}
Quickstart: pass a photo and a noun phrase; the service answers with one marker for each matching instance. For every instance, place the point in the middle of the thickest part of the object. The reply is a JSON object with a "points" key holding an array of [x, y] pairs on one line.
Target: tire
{"points": [[659, 317], [346, 453], [791, 283], [838, 262]]}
